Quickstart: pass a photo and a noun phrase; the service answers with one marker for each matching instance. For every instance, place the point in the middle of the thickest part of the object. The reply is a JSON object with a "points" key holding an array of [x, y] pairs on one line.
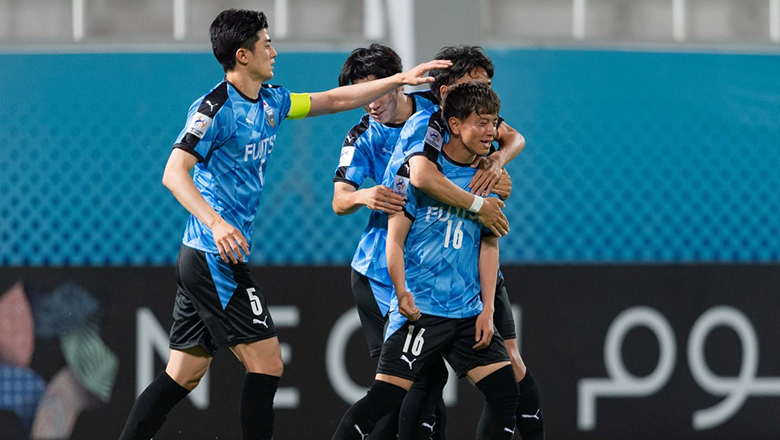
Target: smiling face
{"points": [[476, 132], [385, 109]]}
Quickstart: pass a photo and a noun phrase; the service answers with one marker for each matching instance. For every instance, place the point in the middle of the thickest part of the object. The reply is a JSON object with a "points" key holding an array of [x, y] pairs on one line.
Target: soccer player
{"points": [[418, 151], [441, 259], [365, 154], [230, 132]]}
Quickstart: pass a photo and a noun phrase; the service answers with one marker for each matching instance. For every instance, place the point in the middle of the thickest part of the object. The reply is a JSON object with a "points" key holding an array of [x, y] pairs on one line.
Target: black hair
{"points": [[232, 30], [464, 60], [470, 97], [377, 60]]}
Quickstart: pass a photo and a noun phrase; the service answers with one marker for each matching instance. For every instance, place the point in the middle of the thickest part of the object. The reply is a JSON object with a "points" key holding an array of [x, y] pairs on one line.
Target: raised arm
{"points": [[488, 272], [425, 175], [398, 226], [229, 240], [357, 95]]}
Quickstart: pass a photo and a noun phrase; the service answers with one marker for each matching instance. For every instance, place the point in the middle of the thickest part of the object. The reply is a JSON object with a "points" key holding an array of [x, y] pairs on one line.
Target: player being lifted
{"points": [[441, 259], [229, 135], [418, 148], [365, 154]]}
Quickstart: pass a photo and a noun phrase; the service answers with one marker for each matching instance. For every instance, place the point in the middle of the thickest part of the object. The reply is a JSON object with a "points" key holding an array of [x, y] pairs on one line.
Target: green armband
{"points": [[300, 104]]}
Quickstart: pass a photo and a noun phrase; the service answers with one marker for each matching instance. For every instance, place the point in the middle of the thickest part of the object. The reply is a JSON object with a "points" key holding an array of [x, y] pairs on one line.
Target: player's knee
{"points": [[187, 378], [517, 361], [500, 391], [276, 367]]}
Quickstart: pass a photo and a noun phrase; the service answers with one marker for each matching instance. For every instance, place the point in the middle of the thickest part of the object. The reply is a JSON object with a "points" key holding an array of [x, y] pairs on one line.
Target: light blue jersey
{"points": [[418, 137], [441, 252], [365, 154], [232, 137]]}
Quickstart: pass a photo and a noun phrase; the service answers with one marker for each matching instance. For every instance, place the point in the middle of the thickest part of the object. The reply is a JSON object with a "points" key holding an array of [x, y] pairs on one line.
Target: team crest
{"points": [[270, 115]]}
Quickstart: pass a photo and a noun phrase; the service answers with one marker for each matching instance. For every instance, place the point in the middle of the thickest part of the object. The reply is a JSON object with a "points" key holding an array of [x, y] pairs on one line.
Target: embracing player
{"points": [[443, 264], [418, 150]]}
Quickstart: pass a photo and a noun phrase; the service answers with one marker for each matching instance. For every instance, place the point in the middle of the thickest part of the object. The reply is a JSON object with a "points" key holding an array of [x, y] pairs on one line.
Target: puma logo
{"points": [[511, 431], [362, 436], [406, 359], [211, 106], [257, 321], [532, 416]]}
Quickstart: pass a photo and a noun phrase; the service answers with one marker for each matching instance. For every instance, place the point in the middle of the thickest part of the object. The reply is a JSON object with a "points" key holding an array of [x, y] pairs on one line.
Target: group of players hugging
{"points": [[425, 276]]}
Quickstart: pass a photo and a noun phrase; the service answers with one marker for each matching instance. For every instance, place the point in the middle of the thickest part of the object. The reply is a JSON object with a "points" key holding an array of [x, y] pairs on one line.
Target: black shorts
{"points": [[503, 318], [411, 347], [217, 304], [371, 317]]}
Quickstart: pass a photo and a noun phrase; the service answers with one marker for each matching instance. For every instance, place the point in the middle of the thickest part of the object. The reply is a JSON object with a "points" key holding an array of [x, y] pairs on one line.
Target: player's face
{"points": [[478, 74], [263, 57], [477, 132], [385, 109]]}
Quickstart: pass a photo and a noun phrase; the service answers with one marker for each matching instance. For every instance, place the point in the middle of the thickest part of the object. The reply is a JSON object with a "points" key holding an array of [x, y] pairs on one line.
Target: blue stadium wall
{"points": [[630, 157], [642, 260]]}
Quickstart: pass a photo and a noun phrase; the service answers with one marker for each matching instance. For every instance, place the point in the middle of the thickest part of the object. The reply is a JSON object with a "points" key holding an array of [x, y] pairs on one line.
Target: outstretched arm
{"points": [[398, 226], [229, 240], [425, 175], [354, 96], [488, 272]]}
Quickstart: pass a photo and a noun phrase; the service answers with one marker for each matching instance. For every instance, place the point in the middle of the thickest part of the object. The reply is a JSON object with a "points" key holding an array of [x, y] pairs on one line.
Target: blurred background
{"points": [[642, 258]]}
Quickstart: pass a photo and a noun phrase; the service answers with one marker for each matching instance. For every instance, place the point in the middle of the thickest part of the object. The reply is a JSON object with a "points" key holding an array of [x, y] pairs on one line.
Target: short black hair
{"points": [[232, 30], [470, 97], [464, 60], [377, 60]]}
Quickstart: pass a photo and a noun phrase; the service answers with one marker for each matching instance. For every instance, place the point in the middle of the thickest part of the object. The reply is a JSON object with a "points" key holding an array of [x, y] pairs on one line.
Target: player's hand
{"points": [[491, 216], [503, 188], [414, 76], [488, 173], [485, 330], [382, 198], [230, 242], [406, 306]]}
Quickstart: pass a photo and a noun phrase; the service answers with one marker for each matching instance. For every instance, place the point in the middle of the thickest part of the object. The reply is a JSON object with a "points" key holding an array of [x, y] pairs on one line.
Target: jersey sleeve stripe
{"points": [[207, 111], [189, 150], [339, 177]]}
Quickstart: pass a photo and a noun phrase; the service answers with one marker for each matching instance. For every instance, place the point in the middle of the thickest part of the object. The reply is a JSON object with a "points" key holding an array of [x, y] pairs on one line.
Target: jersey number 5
{"points": [[254, 300]]}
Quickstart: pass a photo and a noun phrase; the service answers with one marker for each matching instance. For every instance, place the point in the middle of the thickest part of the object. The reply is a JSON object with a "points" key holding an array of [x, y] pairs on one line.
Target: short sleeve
{"points": [[202, 130], [355, 163]]}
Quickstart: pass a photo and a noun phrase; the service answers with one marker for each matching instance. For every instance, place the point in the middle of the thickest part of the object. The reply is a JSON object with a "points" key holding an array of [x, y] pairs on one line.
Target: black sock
{"points": [[530, 422], [152, 407], [498, 415], [440, 433], [359, 420], [257, 406], [386, 428], [421, 417]]}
